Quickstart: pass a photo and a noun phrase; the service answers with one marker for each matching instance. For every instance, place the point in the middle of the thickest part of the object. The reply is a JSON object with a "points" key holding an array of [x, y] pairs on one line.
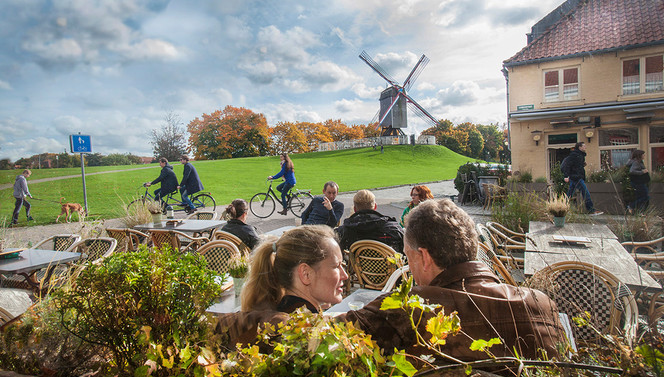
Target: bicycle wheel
{"points": [[204, 201], [132, 206], [299, 202], [262, 205]]}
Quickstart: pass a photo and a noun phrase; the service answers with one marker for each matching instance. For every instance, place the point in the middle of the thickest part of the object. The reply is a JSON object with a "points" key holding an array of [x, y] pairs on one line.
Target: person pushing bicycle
{"points": [[288, 172], [169, 181]]}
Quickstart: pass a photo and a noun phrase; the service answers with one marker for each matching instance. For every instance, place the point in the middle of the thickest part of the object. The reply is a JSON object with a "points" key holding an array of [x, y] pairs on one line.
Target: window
{"points": [[637, 80], [657, 148], [562, 139], [616, 146], [561, 84]]}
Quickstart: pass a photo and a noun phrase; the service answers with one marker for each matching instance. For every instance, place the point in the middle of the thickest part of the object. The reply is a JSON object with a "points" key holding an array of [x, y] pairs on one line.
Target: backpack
{"points": [[564, 166]]}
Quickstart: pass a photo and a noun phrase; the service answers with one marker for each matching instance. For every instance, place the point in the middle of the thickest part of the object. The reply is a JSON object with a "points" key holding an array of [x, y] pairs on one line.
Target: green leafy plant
{"points": [[541, 180], [495, 170], [519, 209], [238, 266], [598, 176], [525, 177]]}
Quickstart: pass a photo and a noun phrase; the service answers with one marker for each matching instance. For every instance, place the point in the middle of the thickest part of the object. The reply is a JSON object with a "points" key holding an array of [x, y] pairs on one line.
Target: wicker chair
{"points": [[218, 254], [579, 287], [370, 263], [508, 243], [128, 239], [223, 235], [95, 249], [203, 215], [400, 272], [488, 257], [173, 238], [513, 265], [492, 194]]}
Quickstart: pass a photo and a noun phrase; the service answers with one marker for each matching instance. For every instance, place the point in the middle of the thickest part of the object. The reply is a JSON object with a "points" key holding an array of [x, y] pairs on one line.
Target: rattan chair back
{"points": [[174, 239], [58, 242], [370, 263], [223, 235], [203, 215], [128, 239], [218, 254], [488, 257], [95, 249], [579, 287]]}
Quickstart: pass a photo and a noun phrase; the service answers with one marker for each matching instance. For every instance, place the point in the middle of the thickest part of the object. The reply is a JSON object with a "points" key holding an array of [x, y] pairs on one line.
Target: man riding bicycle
{"points": [[169, 181]]}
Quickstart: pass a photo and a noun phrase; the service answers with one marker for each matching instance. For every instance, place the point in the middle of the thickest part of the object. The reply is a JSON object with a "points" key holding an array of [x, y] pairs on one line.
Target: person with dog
{"points": [[574, 171], [326, 209], [190, 184], [441, 245], [288, 172], [20, 192], [169, 181]]}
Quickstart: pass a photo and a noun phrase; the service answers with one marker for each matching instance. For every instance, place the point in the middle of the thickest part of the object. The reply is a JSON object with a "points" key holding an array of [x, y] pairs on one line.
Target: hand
{"points": [[566, 180], [326, 203], [178, 187], [30, 196], [270, 177], [645, 171], [147, 184]]}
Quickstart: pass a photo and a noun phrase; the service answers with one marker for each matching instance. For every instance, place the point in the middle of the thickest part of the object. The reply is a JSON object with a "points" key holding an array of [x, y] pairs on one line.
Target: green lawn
{"points": [[352, 169]]}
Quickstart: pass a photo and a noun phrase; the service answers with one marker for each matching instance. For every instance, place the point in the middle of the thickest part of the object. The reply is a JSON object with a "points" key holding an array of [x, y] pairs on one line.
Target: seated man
{"points": [[367, 224], [441, 245], [169, 182], [326, 210]]}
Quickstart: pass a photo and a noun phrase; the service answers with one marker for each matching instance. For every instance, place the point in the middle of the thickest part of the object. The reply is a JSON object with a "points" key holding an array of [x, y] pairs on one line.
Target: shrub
{"points": [[518, 210], [160, 293], [541, 180], [496, 170], [598, 176], [557, 177], [646, 227], [525, 177]]}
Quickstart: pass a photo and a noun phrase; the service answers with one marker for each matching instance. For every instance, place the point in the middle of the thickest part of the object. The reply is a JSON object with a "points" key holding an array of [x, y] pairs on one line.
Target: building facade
{"points": [[592, 71]]}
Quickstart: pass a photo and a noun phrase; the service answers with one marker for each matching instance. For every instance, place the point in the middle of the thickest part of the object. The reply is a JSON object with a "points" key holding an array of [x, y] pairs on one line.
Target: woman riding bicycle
{"points": [[287, 171]]}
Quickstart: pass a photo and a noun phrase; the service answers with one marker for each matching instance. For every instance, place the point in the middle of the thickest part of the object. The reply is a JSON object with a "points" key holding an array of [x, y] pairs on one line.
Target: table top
{"points": [[186, 226], [226, 303], [360, 298], [279, 231], [571, 229], [34, 259], [542, 250]]}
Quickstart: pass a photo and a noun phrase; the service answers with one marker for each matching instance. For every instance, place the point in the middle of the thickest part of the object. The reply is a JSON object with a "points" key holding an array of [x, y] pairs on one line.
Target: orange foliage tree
{"points": [[341, 132], [315, 133], [286, 137], [229, 133]]}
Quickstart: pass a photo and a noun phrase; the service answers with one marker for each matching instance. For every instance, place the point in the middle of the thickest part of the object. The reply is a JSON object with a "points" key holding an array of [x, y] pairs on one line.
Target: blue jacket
{"points": [[190, 180], [316, 213], [289, 175]]}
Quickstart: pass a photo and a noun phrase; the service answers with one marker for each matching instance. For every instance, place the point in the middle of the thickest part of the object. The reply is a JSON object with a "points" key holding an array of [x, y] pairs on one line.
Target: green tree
{"points": [[94, 159], [494, 141], [169, 141]]}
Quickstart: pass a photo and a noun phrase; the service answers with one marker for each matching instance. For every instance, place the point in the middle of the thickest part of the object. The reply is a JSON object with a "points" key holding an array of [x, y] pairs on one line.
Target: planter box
{"points": [[533, 187], [657, 195], [607, 197]]}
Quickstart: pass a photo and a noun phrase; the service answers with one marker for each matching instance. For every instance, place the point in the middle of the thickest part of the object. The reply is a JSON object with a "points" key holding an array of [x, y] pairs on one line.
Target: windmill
{"points": [[394, 100]]}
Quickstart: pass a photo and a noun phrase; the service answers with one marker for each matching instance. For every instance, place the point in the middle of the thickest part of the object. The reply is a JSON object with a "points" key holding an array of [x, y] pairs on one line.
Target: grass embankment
{"points": [[352, 169]]}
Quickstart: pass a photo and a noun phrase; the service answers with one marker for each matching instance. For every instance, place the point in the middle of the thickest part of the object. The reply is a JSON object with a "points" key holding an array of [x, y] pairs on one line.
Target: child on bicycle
{"points": [[287, 171]]}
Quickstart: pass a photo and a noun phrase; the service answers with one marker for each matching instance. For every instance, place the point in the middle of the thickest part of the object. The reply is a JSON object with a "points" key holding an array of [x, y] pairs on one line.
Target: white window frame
{"points": [[564, 90], [619, 148], [643, 85]]}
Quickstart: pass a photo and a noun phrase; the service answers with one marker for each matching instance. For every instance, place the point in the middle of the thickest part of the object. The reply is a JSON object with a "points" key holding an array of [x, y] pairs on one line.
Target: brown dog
{"points": [[68, 210]]}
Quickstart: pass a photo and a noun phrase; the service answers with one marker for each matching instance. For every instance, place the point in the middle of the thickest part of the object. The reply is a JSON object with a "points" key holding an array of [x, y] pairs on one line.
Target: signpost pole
{"points": [[85, 192], [81, 144]]}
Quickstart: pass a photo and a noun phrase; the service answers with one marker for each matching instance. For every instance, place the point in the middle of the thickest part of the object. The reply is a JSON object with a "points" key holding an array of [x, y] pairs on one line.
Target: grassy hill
{"points": [[352, 169]]}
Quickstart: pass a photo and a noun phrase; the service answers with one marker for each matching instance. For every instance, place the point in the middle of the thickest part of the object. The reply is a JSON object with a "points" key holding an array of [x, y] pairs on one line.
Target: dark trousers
{"points": [[283, 189], [20, 202], [581, 185], [641, 197]]}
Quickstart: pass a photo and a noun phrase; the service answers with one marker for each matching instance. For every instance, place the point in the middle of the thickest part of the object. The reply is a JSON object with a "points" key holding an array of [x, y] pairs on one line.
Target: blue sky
{"points": [[114, 69]]}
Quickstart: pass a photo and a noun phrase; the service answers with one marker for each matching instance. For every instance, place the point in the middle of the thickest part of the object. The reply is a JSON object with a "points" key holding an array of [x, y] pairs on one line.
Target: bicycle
{"points": [[201, 200], [262, 205]]}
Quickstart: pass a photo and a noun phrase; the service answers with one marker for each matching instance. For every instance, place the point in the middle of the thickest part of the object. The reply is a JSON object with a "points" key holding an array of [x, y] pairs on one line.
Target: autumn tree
{"points": [[169, 141], [286, 137], [475, 143], [339, 131], [315, 133], [494, 141], [230, 133]]}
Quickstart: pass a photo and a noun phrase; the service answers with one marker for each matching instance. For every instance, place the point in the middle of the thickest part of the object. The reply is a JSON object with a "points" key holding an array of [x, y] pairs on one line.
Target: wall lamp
{"points": [[589, 132], [537, 136]]}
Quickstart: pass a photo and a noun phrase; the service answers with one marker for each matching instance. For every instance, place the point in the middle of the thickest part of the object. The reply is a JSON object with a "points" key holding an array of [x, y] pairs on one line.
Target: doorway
{"points": [[556, 155]]}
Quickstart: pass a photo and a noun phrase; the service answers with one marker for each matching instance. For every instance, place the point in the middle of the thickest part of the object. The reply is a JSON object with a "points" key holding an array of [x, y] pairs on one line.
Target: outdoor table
{"points": [[542, 250], [226, 303], [186, 226], [30, 261], [576, 230], [360, 297], [279, 231]]}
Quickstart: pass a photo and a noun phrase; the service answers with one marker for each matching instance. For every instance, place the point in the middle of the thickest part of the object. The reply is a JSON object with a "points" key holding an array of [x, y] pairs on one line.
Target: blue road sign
{"points": [[80, 143]]}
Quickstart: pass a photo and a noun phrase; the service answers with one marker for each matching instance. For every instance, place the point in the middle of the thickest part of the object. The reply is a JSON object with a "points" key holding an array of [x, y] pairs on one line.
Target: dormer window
{"points": [[637, 79], [561, 84]]}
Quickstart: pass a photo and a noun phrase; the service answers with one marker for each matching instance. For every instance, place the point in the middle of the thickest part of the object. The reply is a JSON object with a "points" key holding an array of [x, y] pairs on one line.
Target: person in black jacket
{"points": [[638, 179], [573, 168], [169, 181], [190, 184], [238, 210], [367, 224]]}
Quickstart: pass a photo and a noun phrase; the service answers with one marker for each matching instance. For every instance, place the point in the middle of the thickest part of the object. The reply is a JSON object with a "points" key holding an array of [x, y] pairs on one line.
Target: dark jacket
{"points": [[169, 181], [316, 213], [574, 165], [525, 319], [370, 225], [636, 172], [247, 233], [190, 180]]}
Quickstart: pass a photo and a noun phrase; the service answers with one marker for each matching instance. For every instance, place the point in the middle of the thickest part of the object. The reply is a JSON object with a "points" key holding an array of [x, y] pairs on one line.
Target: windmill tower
{"points": [[394, 101]]}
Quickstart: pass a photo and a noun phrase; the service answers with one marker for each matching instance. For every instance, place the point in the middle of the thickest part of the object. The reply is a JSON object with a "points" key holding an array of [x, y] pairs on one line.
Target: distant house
{"points": [[147, 160], [592, 71]]}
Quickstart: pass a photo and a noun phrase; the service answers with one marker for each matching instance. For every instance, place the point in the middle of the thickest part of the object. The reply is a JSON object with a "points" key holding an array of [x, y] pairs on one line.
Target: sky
{"points": [[115, 69]]}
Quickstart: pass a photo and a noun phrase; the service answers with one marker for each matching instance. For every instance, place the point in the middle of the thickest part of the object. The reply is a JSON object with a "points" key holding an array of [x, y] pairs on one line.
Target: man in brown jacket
{"points": [[441, 246]]}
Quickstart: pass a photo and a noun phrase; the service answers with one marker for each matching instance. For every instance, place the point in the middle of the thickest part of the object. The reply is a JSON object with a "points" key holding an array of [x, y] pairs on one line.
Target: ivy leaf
{"points": [[403, 365], [390, 302], [441, 326], [482, 345]]}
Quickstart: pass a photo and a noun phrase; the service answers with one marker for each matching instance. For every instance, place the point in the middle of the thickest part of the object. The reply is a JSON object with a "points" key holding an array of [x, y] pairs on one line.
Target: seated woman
{"points": [[237, 225], [418, 194], [303, 268]]}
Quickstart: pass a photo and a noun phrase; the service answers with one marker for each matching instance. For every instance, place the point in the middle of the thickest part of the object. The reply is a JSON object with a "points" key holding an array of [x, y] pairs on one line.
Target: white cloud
{"points": [[5, 85], [149, 49]]}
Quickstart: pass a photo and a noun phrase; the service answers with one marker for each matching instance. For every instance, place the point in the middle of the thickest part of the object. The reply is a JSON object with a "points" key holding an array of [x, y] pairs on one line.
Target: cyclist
{"points": [[288, 172], [169, 181], [190, 183]]}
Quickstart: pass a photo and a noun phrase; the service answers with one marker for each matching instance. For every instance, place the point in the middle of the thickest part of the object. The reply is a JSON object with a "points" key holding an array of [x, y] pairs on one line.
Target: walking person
{"points": [[573, 168], [288, 172], [190, 184], [20, 192], [638, 179]]}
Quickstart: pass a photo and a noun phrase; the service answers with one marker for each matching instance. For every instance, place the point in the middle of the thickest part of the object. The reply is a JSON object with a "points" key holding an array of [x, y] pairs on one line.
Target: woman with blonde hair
{"points": [[418, 194], [302, 268]]}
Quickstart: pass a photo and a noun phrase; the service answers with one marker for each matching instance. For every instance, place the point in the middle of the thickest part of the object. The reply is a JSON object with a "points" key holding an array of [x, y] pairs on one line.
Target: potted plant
{"points": [[154, 207], [558, 207], [238, 267]]}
